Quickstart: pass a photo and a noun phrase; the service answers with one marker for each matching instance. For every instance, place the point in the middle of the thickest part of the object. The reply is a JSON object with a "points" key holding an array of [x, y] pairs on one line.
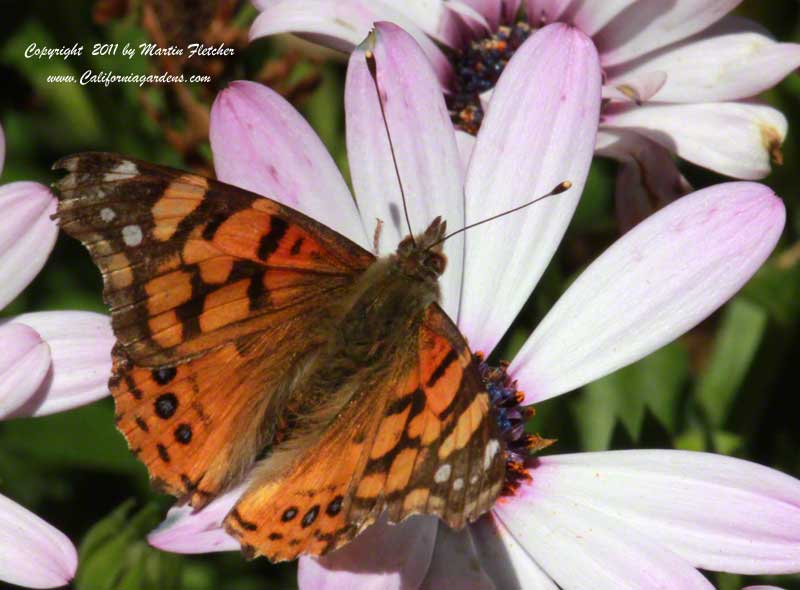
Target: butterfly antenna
{"points": [[560, 188], [373, 70]]}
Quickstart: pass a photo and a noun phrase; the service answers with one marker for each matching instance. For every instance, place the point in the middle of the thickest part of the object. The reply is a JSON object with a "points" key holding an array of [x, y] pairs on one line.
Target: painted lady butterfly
{"points": [[255, 343]]}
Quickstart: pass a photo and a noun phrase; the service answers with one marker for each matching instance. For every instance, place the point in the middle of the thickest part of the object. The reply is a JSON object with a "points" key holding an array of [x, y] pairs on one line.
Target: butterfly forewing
{"points": [[215, 294]]}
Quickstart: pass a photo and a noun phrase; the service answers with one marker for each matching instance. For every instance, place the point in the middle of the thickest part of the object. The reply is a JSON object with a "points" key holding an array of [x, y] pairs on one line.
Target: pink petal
{"points": [[425, 14], [424, 143], [546, 11], [491, 10], [656, 282], [185, 530], [33, 553], [733, 59], [733, 138], [27, 235], [762, 588], [262, 144], [343, 24], [582, 547], [504, 559], [645, 26], [383, 557], [539, 131], [467, 22], [589, 16], [80, 346], [24, 363], [648, 178], [716, 512]]}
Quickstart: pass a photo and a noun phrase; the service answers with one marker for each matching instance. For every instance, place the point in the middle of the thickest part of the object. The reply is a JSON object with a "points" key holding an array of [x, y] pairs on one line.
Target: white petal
{"points": [[583, 548], [262, 144], [645, 26], [491, 10], [80, 345], [33, 553], [24, 364], [27, 235], [733, 59], [589, 16], [383, 557], [455, 563], [428, 161], [656, 282], [733, 138], [539, 131], [718, 513], [343, 24], [504, 559], [638, 87], [546, 11], [186, 530]]}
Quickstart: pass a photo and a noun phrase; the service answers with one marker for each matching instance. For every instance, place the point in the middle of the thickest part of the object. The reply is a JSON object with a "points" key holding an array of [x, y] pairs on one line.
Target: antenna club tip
{"points": [[560, 188]]}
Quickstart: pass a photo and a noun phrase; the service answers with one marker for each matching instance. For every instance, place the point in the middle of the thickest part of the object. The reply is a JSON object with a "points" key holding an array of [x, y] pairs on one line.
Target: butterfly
{"points": [[256, 344]]}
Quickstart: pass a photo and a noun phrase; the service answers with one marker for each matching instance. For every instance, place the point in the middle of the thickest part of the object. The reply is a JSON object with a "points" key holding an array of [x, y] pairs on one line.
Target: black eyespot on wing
{"points": [[334, 507], [310, 516], [183, 434], [289, 514], [164, 375], [166, 405]]}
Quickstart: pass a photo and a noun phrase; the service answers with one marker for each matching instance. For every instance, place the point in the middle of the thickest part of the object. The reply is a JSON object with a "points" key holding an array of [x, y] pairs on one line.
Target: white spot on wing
{"points": [[490, 452], [122, 170], [443, 473], [132, 235], [107, 214], [458, 484]]}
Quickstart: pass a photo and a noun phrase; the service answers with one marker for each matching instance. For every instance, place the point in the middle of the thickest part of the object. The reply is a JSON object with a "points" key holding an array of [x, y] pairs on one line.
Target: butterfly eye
{"points": [[436, 262]]}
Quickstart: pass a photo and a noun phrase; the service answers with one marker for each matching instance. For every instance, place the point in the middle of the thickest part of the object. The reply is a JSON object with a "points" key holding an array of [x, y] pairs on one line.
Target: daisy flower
{"points": [[678, 77], [49, 362], [623, 520]]}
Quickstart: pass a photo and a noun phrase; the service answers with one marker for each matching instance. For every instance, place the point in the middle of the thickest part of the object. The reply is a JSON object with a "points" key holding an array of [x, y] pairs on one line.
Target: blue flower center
{"points": [[511, 417], [478, 67]]}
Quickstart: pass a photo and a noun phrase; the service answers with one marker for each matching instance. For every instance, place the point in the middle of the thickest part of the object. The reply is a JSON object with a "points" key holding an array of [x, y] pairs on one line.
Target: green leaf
{"points": [[115, 553], [84, 437], [70, 107], [738, 338], [595, 415], [656, 382]]}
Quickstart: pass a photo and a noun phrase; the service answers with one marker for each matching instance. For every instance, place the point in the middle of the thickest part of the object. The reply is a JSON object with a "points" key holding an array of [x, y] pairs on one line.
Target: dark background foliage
{"points": [[730, 386]]}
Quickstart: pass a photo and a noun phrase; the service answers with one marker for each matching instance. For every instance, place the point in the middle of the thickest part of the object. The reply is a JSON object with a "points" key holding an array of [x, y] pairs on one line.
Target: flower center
{"points": [[506, 402], [477, 68]]}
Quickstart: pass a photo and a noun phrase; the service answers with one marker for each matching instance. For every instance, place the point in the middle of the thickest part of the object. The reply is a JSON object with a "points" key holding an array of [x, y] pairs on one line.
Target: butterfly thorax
{"points": [[368, 330]]}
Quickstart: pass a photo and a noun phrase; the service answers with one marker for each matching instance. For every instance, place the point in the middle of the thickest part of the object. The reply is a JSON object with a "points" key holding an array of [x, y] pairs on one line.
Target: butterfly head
{"points": [[422, 257]]}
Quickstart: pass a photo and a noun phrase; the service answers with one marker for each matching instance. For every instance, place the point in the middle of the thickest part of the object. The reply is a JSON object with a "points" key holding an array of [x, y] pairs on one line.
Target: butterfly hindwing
{"points": [[424, 442], [215, 295]]}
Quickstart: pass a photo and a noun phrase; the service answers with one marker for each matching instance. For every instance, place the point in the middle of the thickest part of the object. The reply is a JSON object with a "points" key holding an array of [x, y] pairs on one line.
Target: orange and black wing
{"points": [[216, 294], [424, 442]]}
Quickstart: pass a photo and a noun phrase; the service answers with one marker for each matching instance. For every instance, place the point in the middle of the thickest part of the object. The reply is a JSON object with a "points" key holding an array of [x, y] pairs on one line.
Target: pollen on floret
{"points": [[511, 417], [477, 68]]}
